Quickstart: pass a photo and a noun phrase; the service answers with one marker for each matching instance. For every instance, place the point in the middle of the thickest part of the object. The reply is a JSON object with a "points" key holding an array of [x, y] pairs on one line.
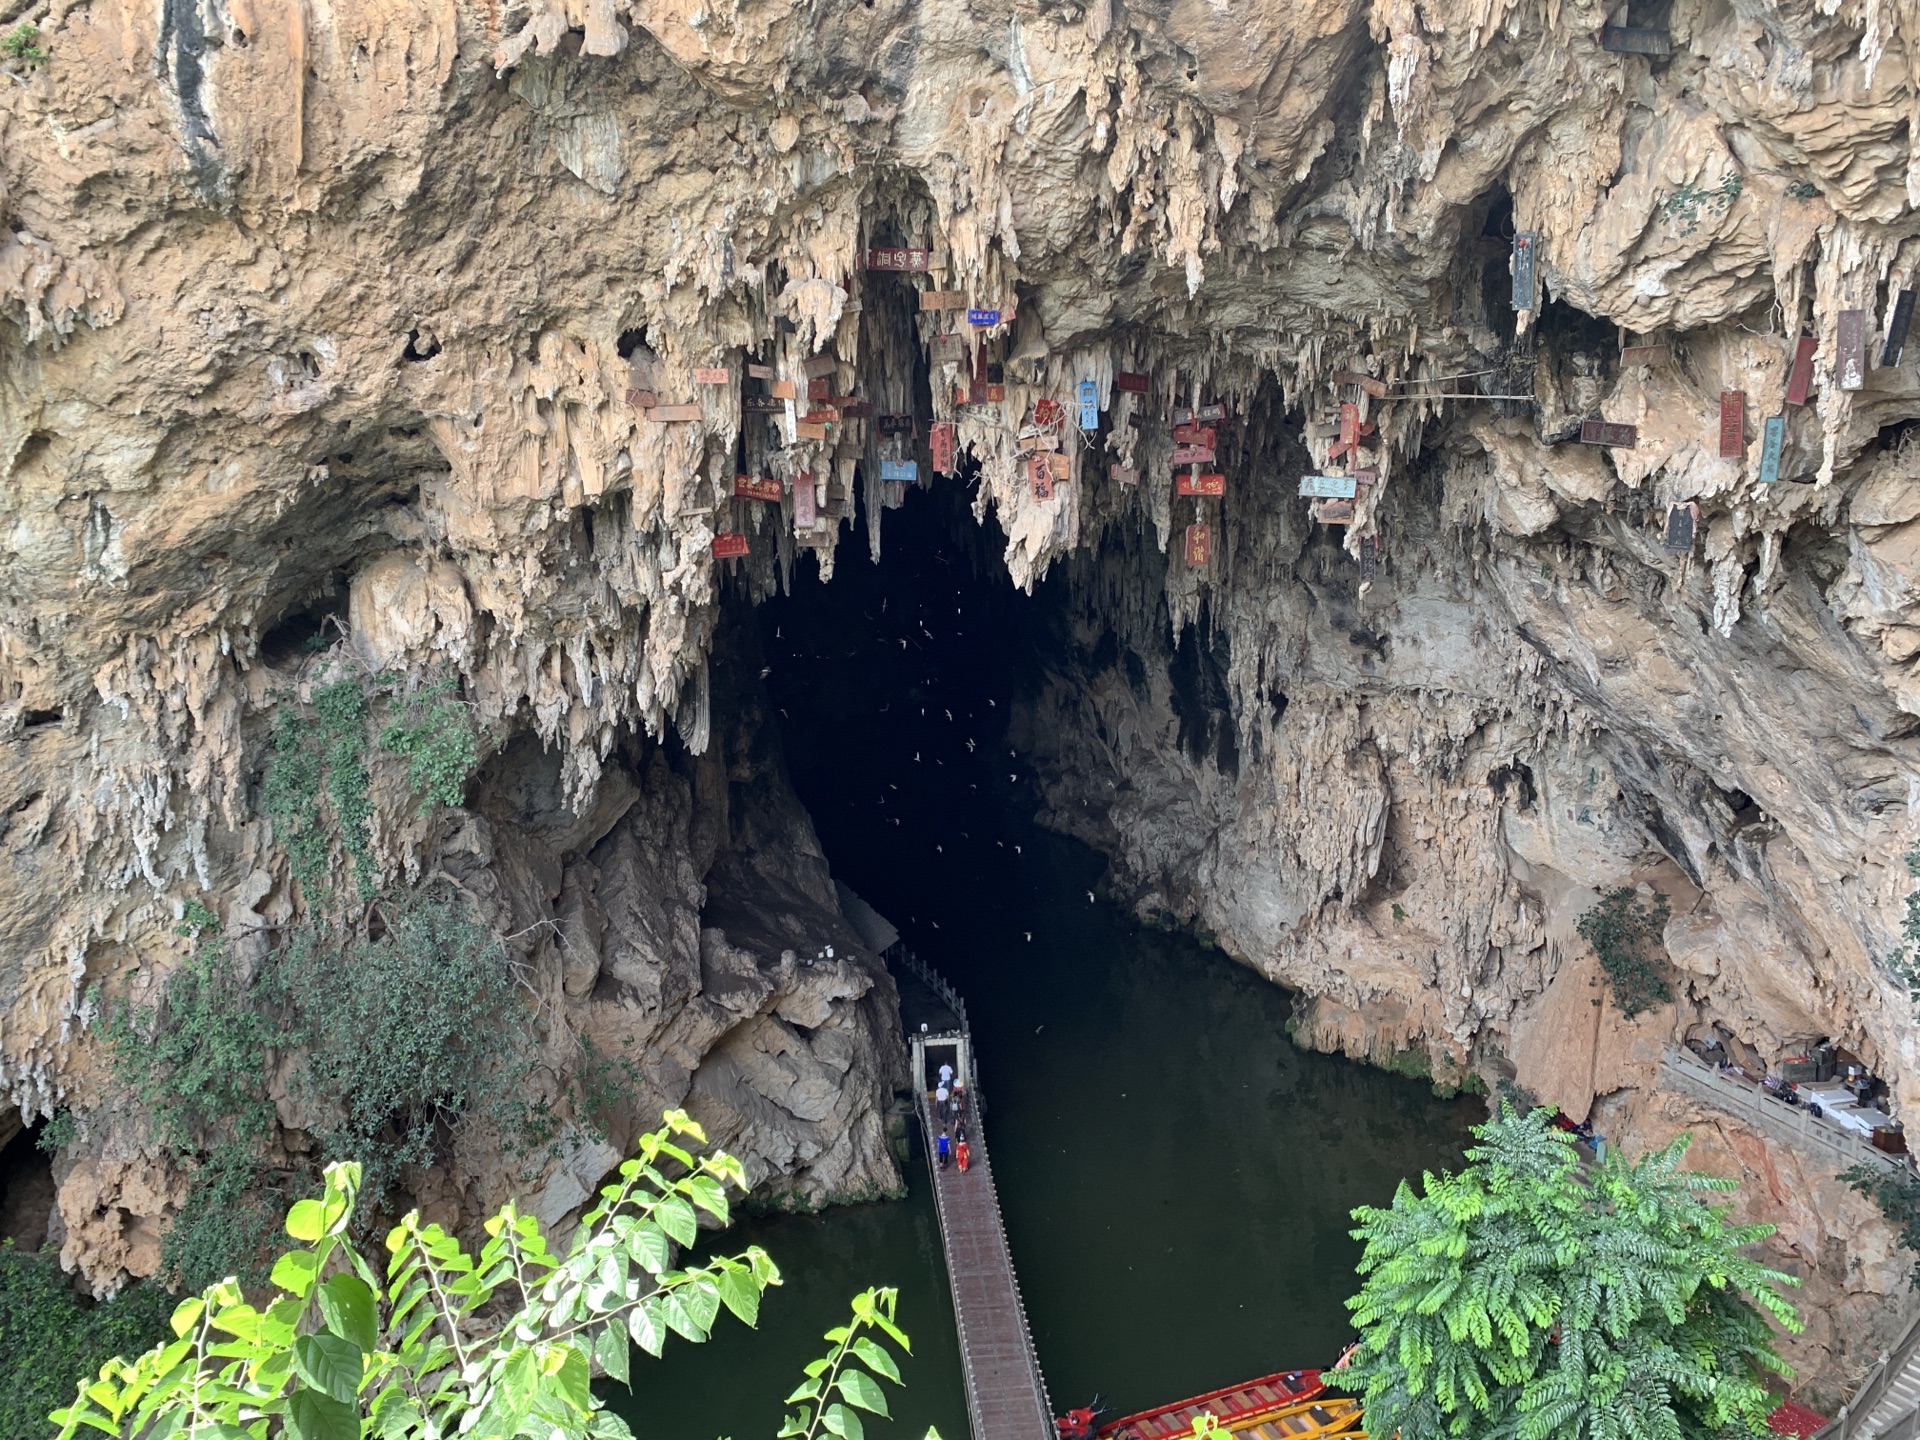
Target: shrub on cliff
{"points": [[48, 1331], [1525, 1298], [1622, 932], [497, 1344]]}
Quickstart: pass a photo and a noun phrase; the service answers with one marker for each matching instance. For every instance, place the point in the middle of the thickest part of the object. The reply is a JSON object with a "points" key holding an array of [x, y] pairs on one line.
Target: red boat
{"points": [[1234, 1407]]}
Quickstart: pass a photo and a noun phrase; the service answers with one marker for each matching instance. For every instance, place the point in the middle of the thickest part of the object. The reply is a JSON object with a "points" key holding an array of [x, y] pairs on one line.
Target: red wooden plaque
{"points": [[641, 399], [784, 390], [1040, 477], [1603, 432], [1199, 545], [1349, 425], [729, 543], [898, 257], [1206, 482], [1123, 474], [803, 501], [1733, 424], [809, 430], [674, 412], [1131, 380], [711, 375], [940, 442], [1060, 465], [1193, 454], [1194, 435], [943, 299], [1800, 375], [756, 487], [818, 389]]}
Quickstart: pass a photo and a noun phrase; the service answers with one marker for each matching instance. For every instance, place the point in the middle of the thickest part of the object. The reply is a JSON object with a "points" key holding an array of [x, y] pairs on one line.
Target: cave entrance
{"points": [[26, 1190]]}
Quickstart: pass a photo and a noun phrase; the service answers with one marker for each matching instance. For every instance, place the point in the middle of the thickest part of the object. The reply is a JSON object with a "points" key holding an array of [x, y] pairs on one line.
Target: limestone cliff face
{"points": [[372, 315]]}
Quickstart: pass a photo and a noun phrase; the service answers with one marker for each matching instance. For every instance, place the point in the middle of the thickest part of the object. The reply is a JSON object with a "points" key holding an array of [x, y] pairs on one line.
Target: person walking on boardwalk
{"points": [[943, 1103], [959, 1102], [962, 1153], [946, 1075], [945, 1149]]}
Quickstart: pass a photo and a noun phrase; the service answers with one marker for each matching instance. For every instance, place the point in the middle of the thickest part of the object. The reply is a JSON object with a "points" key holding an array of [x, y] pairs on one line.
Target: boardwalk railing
{"points": [[1794, 1124], [1900, 1419], [933, 980]]}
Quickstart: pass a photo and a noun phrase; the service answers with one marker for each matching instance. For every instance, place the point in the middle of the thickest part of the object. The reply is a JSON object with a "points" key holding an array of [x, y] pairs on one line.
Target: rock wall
{"points": [[403, 320]]}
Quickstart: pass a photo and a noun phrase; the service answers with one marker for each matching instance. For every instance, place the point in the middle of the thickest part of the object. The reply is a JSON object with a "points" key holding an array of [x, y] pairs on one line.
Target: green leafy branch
{"points": [[1690, 204], [836, 1387], [498, 1343], [23, 44]]}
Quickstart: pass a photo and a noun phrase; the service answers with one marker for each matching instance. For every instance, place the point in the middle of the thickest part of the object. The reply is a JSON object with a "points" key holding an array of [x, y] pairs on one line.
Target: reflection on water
{"points": [[1176, 1176]]}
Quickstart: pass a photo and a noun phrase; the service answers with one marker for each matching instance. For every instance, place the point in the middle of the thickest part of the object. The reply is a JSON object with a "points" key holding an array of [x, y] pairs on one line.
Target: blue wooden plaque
{"points": [[983, 317], [905, 470], [1089, 406], [1328, 487], [1773, 442], [1525, 246]]}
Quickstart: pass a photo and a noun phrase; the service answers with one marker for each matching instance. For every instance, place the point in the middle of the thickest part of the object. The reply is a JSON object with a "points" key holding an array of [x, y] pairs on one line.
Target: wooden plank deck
{"points": [[1006, 1397]]}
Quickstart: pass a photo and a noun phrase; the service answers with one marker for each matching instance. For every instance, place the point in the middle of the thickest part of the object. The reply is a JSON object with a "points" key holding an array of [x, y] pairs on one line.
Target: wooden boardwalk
{"points": [[1006, 1396]]}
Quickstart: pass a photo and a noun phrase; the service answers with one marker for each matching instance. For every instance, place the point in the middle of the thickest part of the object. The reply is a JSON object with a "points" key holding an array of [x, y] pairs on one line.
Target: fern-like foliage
{"points": [[1527, 1298]]}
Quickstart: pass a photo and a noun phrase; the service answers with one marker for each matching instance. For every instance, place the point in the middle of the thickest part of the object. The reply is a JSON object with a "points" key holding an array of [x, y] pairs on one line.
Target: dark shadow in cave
{"points": [[26, 1190]]}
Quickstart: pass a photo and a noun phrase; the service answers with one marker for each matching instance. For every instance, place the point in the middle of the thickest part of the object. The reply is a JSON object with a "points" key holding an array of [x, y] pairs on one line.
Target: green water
{"points": [[1176, 1177]]}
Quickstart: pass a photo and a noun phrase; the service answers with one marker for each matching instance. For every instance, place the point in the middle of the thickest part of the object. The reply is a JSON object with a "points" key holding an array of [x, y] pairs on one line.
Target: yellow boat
{"points": [[1314, 1418]]}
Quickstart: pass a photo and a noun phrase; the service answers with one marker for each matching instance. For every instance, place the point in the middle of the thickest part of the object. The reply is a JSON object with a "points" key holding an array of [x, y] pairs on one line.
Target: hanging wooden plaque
{"points": [[1646, 354], [1897, 331], [1800, 374], [983, 317], [757, 487], [1193, 454], [898, 257], [1605, 432], [1680, 520], [1850, 361], [818, 389], [1368, 385], [1772, 442], [803, 501], [1210, 413], [905, 471], [809, 430], [1733, 424], [1525, 249], [1199, 546], [1060, 464], [762, 405], [1123, 474], [671, 413], [1209, 483], [1132, 381], [729, 543], [1369, 556], [1341, 487], [1182, 416], [814, 539], [943, 300], [820, 367], [1194, 435], [784, 390], [1040, 477], [895, 497], [1349, 425], [948, 348], [1089, 405], [711, 375], [894, 423], [851, 408], [641, 399], [940, 442], [1333, 512], [759, 372]]}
